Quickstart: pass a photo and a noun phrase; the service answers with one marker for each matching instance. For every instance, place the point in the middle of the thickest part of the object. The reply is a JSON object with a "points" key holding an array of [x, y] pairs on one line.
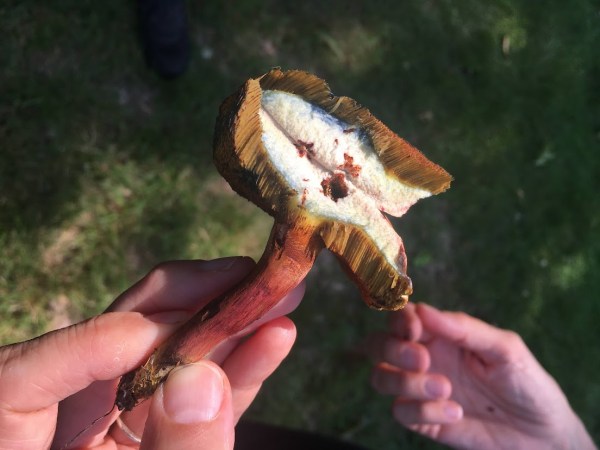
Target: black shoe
{"points": [[164, 35]]}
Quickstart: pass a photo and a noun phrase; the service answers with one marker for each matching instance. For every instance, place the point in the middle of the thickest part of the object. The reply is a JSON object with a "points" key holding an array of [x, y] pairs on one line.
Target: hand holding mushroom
{"points": [[197, 407], [328, 172]]}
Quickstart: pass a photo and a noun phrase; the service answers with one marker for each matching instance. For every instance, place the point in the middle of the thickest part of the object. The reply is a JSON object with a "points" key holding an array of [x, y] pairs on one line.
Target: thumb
{"points": [[37, 374], [193, 409], [493, 345]]}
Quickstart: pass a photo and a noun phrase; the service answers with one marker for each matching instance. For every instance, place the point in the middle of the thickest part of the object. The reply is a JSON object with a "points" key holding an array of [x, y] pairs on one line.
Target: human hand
{"points": [[469, 385], [79, 367]]}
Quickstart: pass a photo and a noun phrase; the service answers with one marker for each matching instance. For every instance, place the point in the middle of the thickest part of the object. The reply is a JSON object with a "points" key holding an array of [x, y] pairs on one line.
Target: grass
{"points": [[106, 170]]}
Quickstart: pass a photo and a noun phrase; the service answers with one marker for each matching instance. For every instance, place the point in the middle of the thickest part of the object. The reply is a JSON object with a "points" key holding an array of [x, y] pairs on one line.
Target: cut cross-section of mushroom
{"points": [[328, 172], [328, 159]]}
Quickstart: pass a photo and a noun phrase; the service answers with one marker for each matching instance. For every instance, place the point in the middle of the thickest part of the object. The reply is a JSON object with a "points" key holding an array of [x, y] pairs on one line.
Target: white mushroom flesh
{"points": [[334, 169]]}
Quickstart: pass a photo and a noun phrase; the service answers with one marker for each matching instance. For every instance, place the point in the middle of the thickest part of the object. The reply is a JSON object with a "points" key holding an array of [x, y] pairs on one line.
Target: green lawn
{"points": [[105, 170]]}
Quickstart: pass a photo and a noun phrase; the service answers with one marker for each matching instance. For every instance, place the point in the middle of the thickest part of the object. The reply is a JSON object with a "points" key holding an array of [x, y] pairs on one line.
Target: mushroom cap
{"points": [[305, 156]]}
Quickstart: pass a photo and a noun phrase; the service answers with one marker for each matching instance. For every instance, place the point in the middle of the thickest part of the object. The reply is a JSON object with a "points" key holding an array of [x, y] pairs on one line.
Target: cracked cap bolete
{"points": [[307, 157]]}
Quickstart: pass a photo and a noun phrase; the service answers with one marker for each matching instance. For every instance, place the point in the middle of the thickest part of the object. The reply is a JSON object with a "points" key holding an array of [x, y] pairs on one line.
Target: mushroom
{"points": [[329, 173]]}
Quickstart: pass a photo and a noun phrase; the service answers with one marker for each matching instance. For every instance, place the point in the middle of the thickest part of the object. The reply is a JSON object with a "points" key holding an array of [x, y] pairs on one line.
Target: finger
{"points": [[492, 345], [43, 371], [432, 431], [256, 359], [184, 285], [249, 364], [37, 374], [402, 354], [406, 324], [389, 380], [410, 413], [193, 409], [287, 304]]}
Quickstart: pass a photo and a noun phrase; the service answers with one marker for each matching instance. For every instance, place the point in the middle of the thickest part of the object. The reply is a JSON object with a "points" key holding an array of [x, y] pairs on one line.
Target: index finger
{"points": [[491, 344], [183, 285], [406, 323], [41, 372]]}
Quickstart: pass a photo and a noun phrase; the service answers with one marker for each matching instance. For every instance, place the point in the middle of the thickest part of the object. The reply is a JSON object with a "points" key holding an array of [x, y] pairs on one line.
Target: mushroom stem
{"points": [[288, 256]]}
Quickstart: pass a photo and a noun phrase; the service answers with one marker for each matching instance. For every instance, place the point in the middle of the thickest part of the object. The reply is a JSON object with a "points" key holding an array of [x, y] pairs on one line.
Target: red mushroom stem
{"points": [[288, 256]]}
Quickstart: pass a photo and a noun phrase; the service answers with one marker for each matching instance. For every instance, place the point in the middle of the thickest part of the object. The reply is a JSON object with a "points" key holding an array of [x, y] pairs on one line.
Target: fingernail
{"points": [[221, 264], [193, 394], [453, 411], [170, 317], [434, 388]]}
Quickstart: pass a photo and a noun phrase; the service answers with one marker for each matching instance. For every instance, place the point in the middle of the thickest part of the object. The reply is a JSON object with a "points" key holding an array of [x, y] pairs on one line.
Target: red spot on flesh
{"points": [[335, 186], [349, 166], [304, 148], [336, 142]]}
